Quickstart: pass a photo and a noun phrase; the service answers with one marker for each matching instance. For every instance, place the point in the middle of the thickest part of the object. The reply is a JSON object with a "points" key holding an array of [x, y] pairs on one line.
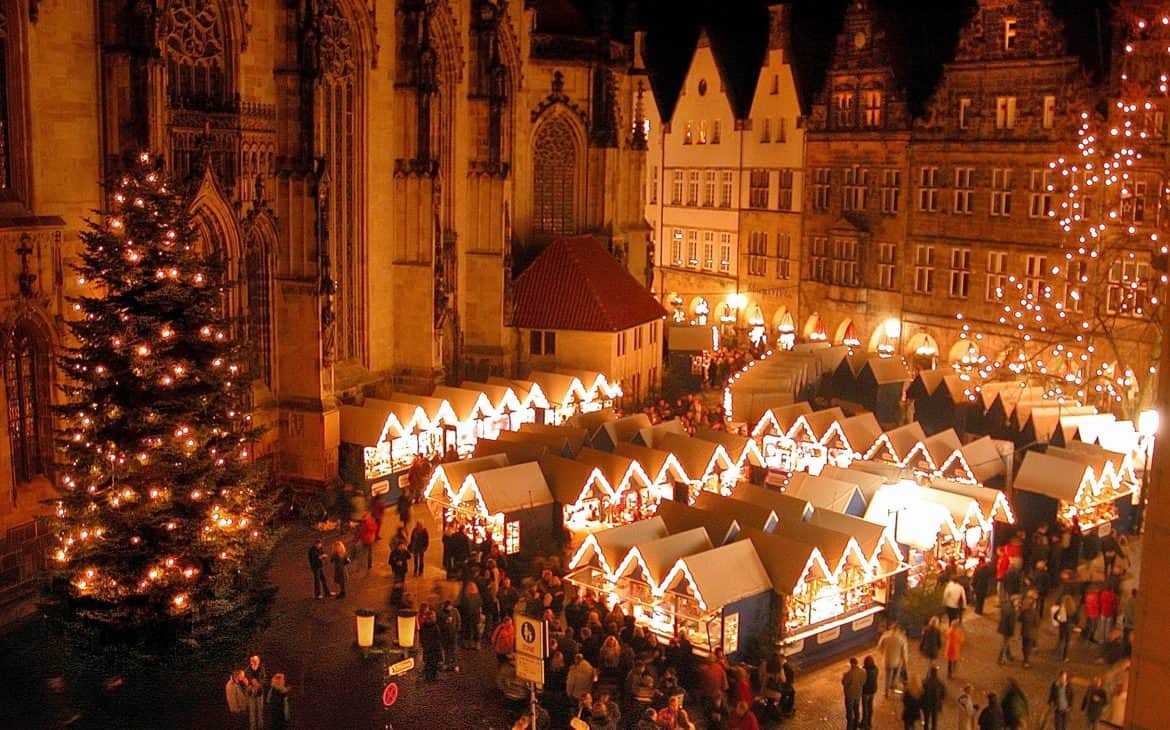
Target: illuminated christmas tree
{"points": [[1088, 323], [162, 517]]}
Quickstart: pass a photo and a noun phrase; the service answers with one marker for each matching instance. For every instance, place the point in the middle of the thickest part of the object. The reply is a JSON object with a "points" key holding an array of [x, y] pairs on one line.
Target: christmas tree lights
{"points": [[162, 514], [1086, 320]]}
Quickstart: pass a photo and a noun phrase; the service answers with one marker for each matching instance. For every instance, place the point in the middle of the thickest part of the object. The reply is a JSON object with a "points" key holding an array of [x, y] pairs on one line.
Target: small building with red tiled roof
{"points": [[577, 307]]}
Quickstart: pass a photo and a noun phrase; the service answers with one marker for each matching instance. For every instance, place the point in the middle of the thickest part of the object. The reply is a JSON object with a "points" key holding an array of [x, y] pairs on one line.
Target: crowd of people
{"points": [[690, 411]]}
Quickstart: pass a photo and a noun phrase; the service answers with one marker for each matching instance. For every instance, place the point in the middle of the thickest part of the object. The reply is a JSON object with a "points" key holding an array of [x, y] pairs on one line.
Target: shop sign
{"points": [[1105, 530], [529, 669], [830, 635], [862, 623], [381, 487], [404, 481], [531, 637]]}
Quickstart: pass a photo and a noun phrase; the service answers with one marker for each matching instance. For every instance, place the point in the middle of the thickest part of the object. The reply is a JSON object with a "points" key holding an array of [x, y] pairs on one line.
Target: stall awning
{"points": [[1045, 420], [410, 417], [436, 409], [885, 370], [1053, 476], [611, 546], [741, 449], [712, 584], [897, 445], [980, 459], [787, 561], [661, 466], [531, 395], [655, 558], [503, 398], [721, 528], [992, 503], [572, 482], [779, 421], [865, 481], [744, 513], [825, 493], [620, 471], [875, 540], [560, 389], [941, 447], [507, 489], [620, 430], [468, 405], [1109, 467], [448, 478], [856, 433], [786, 507], [699, 459], [651, 435]]}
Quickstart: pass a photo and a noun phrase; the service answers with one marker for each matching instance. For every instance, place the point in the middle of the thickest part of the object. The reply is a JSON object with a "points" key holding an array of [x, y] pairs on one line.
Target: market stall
{"points": [[642, 570], [899, 445], [662, 467], [993, 503], [778, 379], [743, 451], [634, 493], [1040, 423], [1082, 427], [476, 418], [599, 392], [942, 399], [565, 395], [1061, 485], [379, 442], [601, 552], [771, 432], [511, 504], [845, 377], [505, 403], [787, 508], [619, 430], [876, 542], [443, 423], [999, 404], [848, 439], [447, 479], [942, 448], [553, 443], [707, 465], [745, 514], [678, 517], [935, 526], [534, 405], [585, 497], [825, 493]]}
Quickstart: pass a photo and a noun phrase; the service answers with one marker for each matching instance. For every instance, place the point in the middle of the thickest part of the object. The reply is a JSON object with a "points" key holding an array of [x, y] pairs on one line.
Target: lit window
{"points": [[1005, 112], [1049, 112], [964, 112], [1009, 34]]}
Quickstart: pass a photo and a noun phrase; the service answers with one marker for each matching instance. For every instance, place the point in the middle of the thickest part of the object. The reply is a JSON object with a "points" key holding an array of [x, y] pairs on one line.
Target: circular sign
{"points": [[390, 694], [527, 632]]}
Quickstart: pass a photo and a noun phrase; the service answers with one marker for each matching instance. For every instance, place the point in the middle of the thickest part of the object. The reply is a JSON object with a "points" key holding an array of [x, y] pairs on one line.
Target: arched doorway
{"points": [[847, 334], [814, 329], [700, 311], [922, 350]]}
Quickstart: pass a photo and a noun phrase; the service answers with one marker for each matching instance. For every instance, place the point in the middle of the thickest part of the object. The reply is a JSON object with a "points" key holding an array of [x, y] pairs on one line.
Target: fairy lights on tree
{"points": [[1086, 319], [162, 515]]}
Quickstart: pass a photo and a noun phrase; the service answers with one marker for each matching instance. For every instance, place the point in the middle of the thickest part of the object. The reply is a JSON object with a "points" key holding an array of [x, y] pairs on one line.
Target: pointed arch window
{"points": [[554, 178], [26, 378], [193, 42], [259, 308]]}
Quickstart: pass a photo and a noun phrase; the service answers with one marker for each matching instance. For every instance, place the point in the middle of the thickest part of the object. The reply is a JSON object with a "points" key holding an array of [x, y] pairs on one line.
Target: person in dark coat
{"points": [[450, 623], [317, 557], [982, 583], [868, 690], [399, 563], [1015, 706], [276, 710], [420, 540], [932, 639], [934, 692], [1029, 629], [991, 718], [431, 639], [403, 506], [911, 705], [340, 559], [1007, 630], [471, 610]]}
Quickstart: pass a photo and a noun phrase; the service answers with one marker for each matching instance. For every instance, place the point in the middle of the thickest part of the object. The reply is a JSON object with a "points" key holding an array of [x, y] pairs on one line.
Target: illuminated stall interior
{"points": [[936, 526], [642, 571], [444, 424], [1054, 486], [565, 394], [771, 433], [475, 416], [634, 494], [505, 403], [585, 497], [898, 445], [512, 504], [803, 440], [599, 392], [707, 464], [389, 436]]}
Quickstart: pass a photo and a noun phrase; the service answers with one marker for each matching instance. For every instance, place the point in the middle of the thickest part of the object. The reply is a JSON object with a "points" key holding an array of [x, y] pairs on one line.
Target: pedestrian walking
{"points": [[276, 710], [982, 583], [968, 709], [420, 540], [1108, 600], [893, 647], [317, 557], [1015, 706], [431, 640], [934, 693], [954, 599], [1029, 629], [399, 561], [403, 506], [237, 694], [449, 626], [340, 560], [911, 703], [955, 636], [1060, 701], [1006, 629], [1093, 703], [992, 716], [1091, 606], [367, 533], [256, 675], [504, 639], [1062, 615], [471, 609], [931, 641], [868, 690], [852, 684]]}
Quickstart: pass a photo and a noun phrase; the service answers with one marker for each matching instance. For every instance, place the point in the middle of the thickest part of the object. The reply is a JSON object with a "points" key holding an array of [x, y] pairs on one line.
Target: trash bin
{"points": [[365, 627], [406, 621]]}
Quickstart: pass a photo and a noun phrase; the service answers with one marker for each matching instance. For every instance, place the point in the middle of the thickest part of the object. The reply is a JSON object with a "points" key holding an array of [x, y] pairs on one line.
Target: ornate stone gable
{"points": [[1006, 30], [862, 42]]}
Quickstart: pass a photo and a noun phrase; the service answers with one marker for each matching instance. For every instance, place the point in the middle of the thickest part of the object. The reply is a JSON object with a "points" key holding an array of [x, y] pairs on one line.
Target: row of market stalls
{"points": [[821, 576], [382, 437]]}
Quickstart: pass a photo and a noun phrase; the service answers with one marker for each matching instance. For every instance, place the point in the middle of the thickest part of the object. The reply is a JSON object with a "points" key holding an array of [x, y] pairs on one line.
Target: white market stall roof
{"points": [[745, 513], [886, 370], [657, 557], [572, 482], [825, 493], [1009, 394], [468, 405], [555, 443], [661, 466], [507, 489], [1056, 477], [596, 384], [516, 451], [621, 472], [531, 395], [771, 381], [951, 381], [503, 398], [450, 477], [1110, 468], [437, 409], [940, 448], [590, 422], [1085, 427], [651, 435], [979, 459], [621, 429], [678, 517], [817, 423], [711, 583], [699, 459], [917, 518], [559, 388], [741, 449], [367, 425], [875, 541], [865, 481], [574, 437], [610, 546], [993, 504], [787, 561], [855, 433], [786, 507], [1046, 419], [779, 421], [887, 472], [898, 445], [830, 356], [409, 418], [965, 510], [839, 549], [1120, 436]]}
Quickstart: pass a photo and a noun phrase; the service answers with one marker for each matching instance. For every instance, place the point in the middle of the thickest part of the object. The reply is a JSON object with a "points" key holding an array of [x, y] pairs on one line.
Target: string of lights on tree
{"points": [[162, 514], [1078, 319]]}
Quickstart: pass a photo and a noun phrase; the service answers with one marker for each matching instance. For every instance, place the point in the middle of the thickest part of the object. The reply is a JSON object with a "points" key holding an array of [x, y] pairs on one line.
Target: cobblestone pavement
{"points": [[312, 642]]}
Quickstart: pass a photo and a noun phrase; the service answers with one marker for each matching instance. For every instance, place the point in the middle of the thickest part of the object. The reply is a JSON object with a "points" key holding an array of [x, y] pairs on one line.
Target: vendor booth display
{"points": [[476, 418], [798, 447], [936, 526], [618, 430], [512, 505], [585, 497], [707, 465], [1071, 490], [634, 493], [721, 528], [825, 493], [604, 550], [379, 442], [848, 439], [505, 403], [899, 445]]}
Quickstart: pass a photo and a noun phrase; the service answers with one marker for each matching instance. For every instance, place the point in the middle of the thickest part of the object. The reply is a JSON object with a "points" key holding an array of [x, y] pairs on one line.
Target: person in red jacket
{"points": [[1108, 600], [1003, 564], [367, 533], [1091, 606], [742, 718]]}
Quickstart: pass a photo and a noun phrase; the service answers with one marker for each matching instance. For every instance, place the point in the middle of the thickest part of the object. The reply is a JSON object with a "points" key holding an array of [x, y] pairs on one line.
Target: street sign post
{"points": [[401, 667], [529, 669], [531, 636], [390, 694]]}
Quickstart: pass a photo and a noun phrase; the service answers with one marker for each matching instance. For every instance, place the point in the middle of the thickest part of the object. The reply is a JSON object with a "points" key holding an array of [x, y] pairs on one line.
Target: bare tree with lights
{"points": [[1088, 322], [162, 514]]}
